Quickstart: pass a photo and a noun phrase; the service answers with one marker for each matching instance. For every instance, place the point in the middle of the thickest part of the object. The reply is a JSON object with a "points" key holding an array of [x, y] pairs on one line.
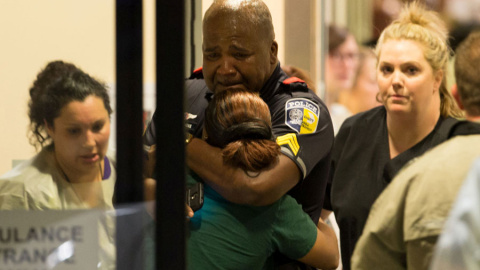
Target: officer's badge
{"points": [[302, 115]]}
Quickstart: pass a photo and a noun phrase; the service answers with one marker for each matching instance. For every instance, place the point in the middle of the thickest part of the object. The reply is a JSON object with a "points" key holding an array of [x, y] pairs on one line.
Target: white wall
{"points": [[35, 32]]}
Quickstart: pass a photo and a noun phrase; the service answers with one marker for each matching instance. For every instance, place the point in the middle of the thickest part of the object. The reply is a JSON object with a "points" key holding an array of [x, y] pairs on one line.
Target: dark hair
{"points": [[336, 36], [467, 61], [239, 122], [56, 85]]}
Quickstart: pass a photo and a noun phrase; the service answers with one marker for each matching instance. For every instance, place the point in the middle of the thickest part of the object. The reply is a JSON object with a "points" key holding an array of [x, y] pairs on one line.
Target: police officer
{"points": [[240, 52]]}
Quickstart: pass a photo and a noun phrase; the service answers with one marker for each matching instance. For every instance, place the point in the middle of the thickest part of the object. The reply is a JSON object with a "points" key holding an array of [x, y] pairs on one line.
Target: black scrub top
{"points": [[362, 168]]}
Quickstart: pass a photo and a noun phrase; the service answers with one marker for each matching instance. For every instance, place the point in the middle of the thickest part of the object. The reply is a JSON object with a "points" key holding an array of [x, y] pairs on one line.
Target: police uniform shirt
{"points": [[301, 124]]}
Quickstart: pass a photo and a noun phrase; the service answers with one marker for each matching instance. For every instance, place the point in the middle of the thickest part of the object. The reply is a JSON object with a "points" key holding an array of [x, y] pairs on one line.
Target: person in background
{"points": [[459, 242], [418, 113], [408, 217], [467, 88], [362, 96], [240, 52], [224, 235], [340, 68], [70, 121], [406, 220]]}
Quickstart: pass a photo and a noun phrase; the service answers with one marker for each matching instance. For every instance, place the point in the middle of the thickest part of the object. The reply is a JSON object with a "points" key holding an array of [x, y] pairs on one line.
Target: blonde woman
{"points": [[418, 113]]}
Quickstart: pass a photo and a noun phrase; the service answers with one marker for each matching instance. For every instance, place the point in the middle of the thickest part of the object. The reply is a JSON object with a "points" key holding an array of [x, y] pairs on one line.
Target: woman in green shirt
{"points": [[223, 235]]}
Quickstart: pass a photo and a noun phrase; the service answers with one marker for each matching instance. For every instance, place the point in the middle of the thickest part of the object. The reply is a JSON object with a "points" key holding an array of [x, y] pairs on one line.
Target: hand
{"points": [[150, 186], [188, 211]]}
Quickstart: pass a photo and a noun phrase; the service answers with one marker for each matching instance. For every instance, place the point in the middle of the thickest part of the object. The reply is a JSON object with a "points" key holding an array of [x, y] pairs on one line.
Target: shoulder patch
{"points": [[302, 115], [293, 80]]}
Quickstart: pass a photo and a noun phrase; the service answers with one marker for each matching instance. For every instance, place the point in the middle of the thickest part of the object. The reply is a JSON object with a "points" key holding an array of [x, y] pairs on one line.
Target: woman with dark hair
{"points": [[70, 121], [362, 96], [340, 69], [224, 235]]}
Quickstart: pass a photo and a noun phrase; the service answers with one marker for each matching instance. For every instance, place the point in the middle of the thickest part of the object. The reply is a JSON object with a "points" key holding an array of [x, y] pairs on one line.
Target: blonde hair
{"points": [[364, 54], [424, 26]]}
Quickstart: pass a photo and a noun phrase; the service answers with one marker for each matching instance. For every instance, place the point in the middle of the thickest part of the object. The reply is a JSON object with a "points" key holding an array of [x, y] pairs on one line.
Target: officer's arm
{"points": [[234, 184]]}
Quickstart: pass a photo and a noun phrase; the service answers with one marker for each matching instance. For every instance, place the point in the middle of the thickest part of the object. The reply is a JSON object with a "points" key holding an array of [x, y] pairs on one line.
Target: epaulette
{"points": [[197, 73], [295, 84]]}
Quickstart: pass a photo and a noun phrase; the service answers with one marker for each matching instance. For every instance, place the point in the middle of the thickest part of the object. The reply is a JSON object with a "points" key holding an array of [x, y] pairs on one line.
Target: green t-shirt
{"points": [[223, 235]]}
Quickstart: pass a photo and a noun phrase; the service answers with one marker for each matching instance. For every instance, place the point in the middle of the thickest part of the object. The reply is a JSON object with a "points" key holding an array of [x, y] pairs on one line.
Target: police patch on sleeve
{"points": [[302, 115]]}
